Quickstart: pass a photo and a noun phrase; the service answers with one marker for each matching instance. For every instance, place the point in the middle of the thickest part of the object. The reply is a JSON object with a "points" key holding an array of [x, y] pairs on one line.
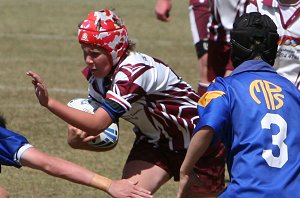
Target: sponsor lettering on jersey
{"points": [[270, 91]]}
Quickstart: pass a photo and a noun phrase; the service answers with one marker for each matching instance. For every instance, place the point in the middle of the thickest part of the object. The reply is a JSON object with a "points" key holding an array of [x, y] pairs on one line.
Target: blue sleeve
{"points": [[10, 142], [213, 109], [114, 109]]}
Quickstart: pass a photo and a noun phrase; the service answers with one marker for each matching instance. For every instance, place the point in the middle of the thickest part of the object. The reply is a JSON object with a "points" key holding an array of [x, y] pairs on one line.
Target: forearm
{"points": [[81, 175], [67, 113], [64, 169], [82, 120], [199, 144], [77, 174]]}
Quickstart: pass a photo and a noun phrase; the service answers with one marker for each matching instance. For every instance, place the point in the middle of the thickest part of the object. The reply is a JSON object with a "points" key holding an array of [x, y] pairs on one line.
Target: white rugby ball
{"points": [[106, 139]]}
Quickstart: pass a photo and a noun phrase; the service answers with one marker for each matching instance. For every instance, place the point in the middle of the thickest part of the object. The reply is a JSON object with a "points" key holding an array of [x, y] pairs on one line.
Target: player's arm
{"points": [[199, 144], [3, 192], [162, 10], [200, 14], [78, 139], [90, 123], [64, 169]]}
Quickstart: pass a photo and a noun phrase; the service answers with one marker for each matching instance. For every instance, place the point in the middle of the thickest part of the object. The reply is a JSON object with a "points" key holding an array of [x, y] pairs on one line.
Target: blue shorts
{"points": [[10, 144]]}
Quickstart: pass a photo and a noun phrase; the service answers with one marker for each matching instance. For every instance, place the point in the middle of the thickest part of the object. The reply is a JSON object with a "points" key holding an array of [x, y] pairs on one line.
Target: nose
{"points": [[88, 59]]}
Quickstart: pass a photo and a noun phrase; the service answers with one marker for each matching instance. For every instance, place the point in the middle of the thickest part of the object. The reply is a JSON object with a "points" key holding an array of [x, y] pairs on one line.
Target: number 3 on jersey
{"points": [[276, 162]]}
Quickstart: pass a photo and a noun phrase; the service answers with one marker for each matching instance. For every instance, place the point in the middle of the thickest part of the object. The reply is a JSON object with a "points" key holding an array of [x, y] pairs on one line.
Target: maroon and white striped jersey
{"points": [[222, 16], [286, 17], [152, 97]]}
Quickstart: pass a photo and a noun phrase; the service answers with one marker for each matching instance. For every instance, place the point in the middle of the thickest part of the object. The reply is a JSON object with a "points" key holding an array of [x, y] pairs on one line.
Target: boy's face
{"points": [[97, 59]]}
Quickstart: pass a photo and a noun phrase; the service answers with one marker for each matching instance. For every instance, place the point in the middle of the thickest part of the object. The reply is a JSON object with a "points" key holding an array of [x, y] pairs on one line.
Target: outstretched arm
{"points": [[3, 193], [199, 144], [90, 123], [64, 169]]}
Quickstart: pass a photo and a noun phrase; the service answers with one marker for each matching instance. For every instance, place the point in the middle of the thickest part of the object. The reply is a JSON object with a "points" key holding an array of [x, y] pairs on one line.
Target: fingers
{"points": [[31, 74], [140, 194], [89, 138], [33, 81], [127, 188], [162, 10], [79, 134], [142, 191], [71, 127], [139, 191], [36, 79], [133, 182], [165, 17]]}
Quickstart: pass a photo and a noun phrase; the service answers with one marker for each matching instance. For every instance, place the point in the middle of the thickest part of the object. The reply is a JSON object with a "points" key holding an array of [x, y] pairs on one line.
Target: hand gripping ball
{"points": [[106, 139]]}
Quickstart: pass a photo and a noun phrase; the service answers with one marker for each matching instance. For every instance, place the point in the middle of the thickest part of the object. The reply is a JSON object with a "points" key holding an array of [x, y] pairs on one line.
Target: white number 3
{"points": [[276, 162]]}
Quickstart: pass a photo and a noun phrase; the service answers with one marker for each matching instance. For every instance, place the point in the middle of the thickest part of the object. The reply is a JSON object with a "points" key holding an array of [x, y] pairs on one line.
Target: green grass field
{"points": [[40, 35]]}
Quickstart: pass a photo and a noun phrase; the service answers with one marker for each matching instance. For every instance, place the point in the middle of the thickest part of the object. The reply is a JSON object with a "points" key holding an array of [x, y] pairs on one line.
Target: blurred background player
{"points": [[16, 151], [285, 14], [211, 22], [199, 16], [253, 112], [145, 92]]}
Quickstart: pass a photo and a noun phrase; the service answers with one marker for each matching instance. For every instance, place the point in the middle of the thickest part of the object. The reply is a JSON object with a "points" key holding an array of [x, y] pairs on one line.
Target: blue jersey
{"points": [[255, 112], [10, 143]]}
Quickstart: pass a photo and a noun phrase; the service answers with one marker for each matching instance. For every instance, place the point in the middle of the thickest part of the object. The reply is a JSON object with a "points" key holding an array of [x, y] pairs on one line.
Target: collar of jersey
{"points": [[253, 65]]}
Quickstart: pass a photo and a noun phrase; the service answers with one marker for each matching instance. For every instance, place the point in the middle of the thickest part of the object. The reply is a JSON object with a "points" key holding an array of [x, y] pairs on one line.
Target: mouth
{"points": [[93, 70]]}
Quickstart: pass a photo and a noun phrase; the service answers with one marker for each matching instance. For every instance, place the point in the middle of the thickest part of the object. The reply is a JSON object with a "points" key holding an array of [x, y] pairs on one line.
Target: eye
{"points": [[94, 54]]}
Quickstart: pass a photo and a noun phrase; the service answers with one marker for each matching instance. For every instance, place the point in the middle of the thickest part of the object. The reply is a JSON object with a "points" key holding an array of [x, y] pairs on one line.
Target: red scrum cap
{"points": [[104, 28]]}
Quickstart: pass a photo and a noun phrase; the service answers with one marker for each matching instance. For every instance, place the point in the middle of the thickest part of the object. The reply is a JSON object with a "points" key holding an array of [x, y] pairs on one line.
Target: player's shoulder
{"points": [[226, 85], [221, 82], [134, 57], [136, 60]]}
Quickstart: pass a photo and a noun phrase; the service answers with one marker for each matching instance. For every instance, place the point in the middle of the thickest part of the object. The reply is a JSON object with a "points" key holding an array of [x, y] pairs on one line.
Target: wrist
{"points": [[48, 104], [100, 182]]}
